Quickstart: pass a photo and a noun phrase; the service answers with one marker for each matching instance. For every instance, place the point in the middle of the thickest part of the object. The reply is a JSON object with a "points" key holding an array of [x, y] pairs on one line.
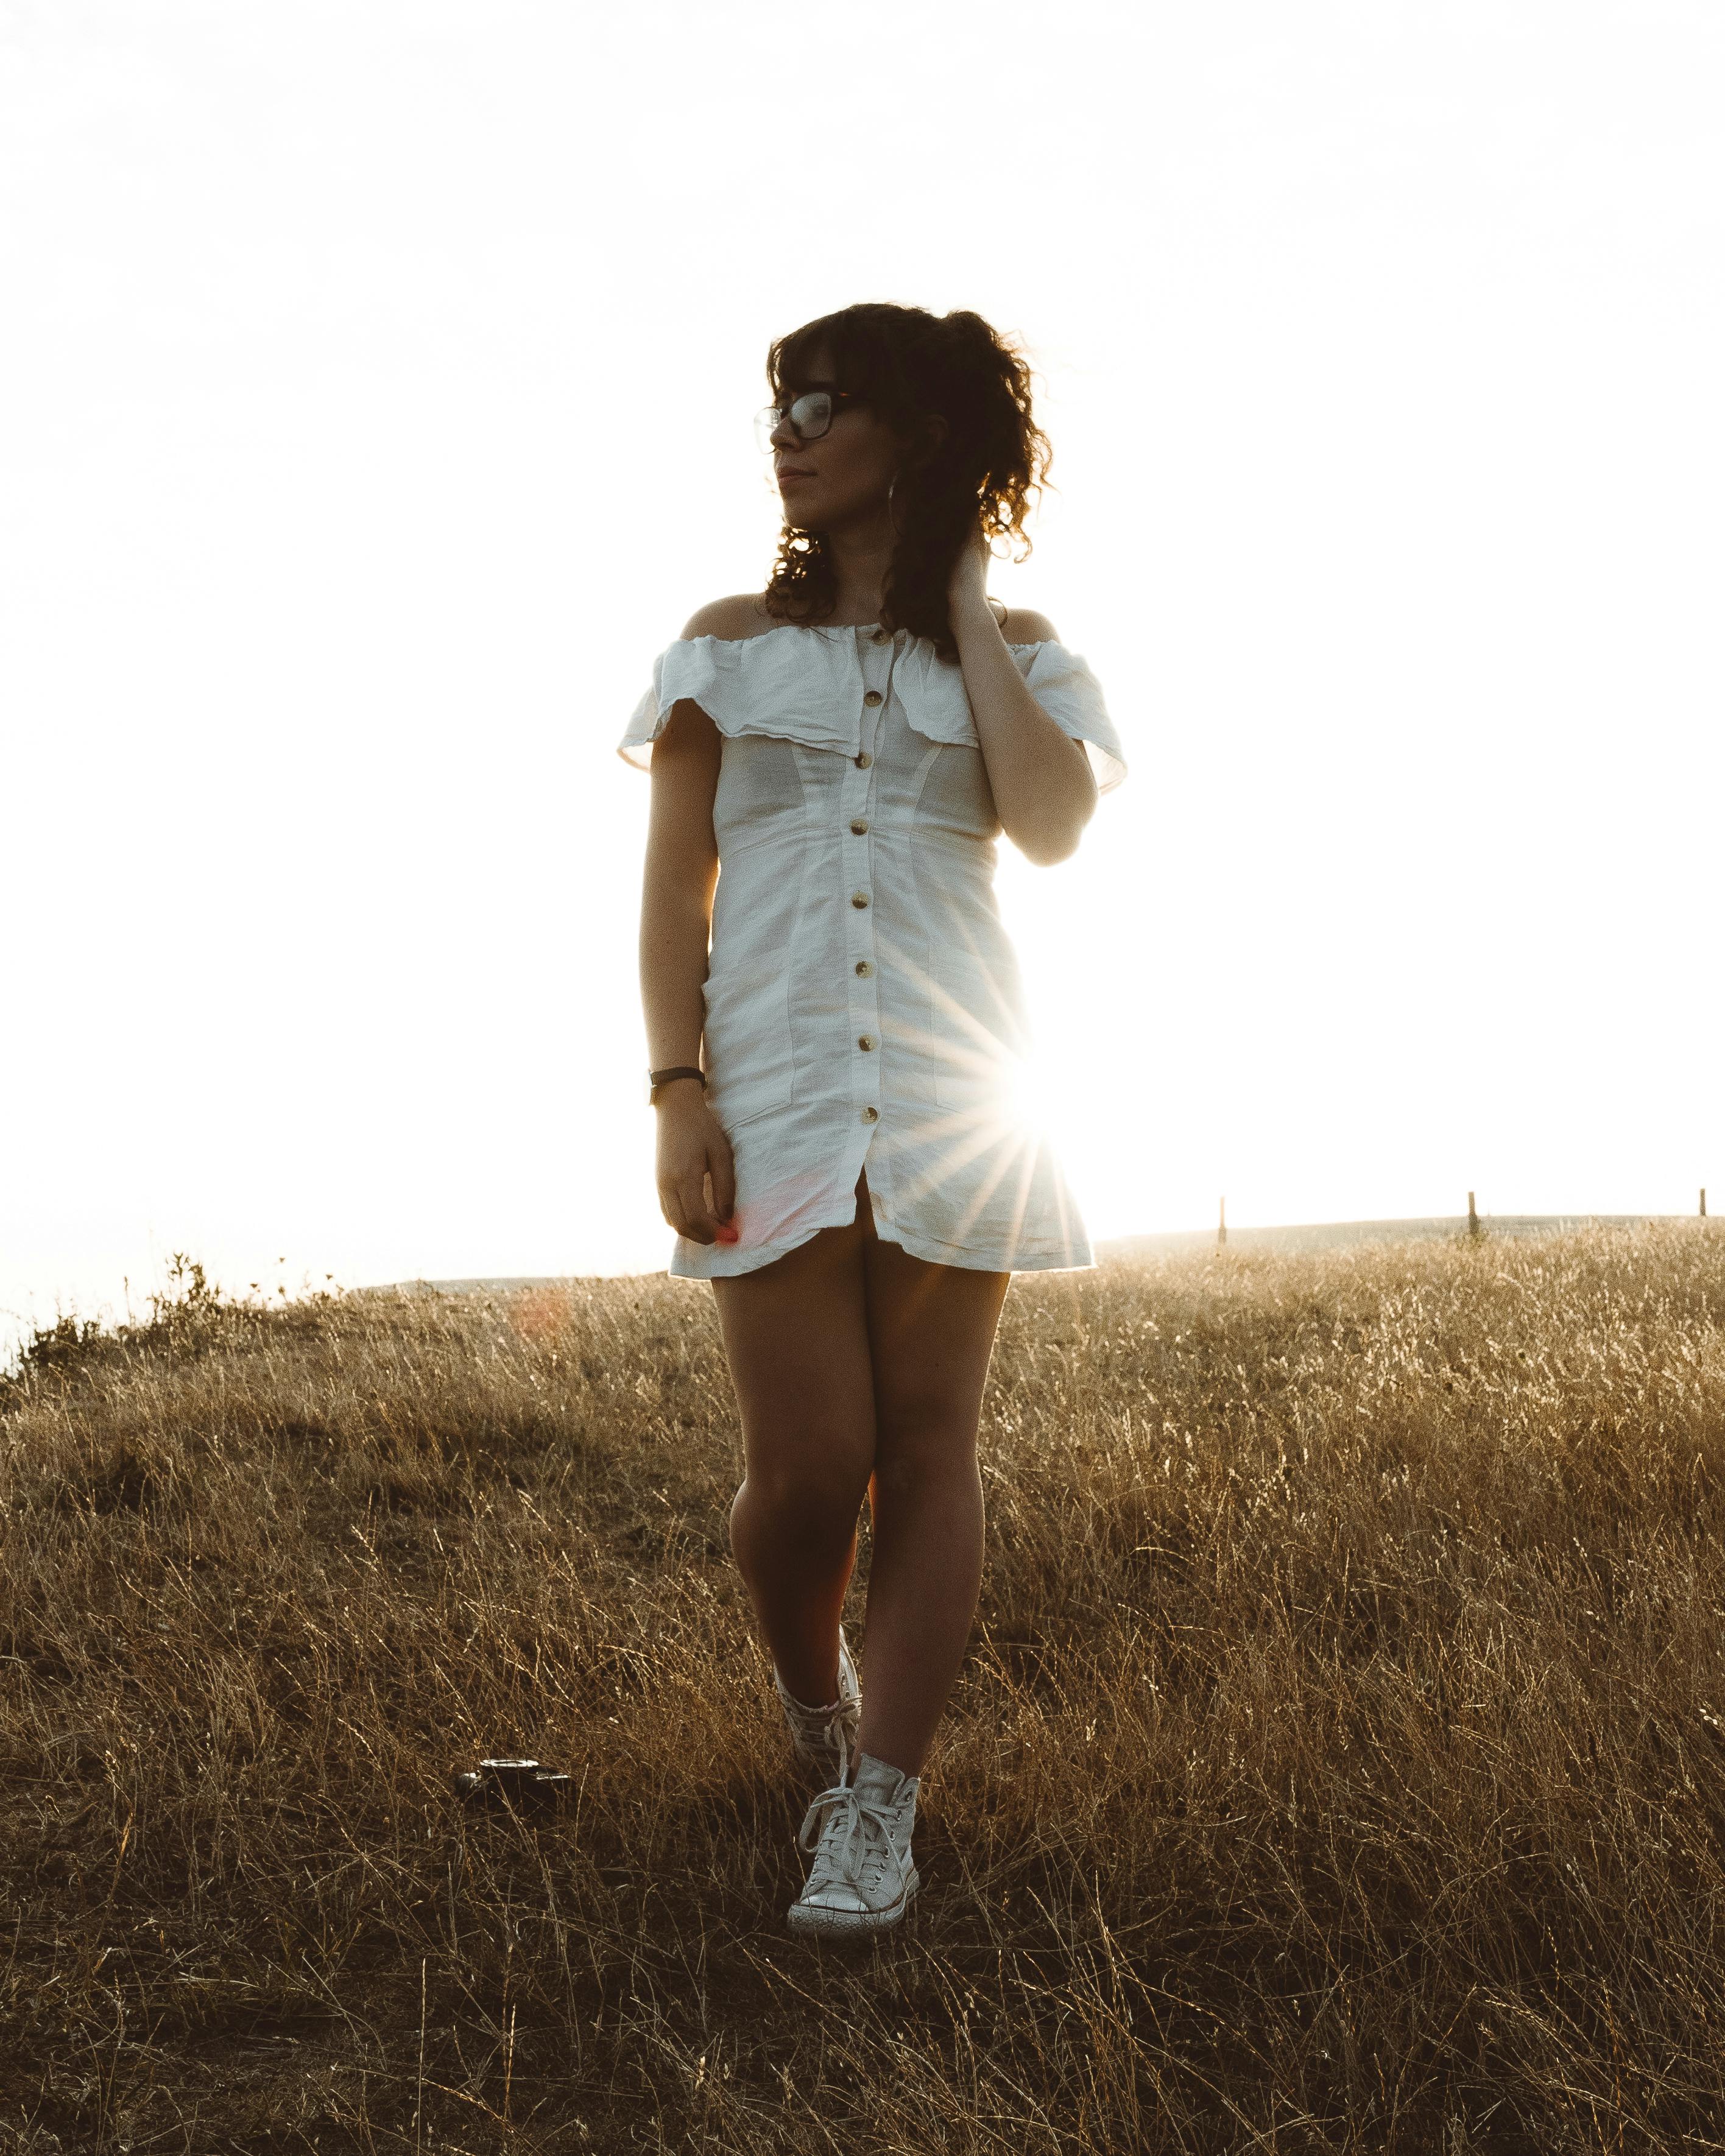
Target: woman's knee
{"points": [[811, 1499], [924, 1440]]}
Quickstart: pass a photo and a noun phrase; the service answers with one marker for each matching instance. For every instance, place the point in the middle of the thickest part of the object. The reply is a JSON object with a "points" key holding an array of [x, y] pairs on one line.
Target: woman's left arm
{"points": [[1041, 778]]}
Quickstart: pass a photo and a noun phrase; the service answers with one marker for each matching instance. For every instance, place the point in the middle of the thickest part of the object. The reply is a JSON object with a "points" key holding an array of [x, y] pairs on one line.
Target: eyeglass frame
{"points": [[777, 415]]}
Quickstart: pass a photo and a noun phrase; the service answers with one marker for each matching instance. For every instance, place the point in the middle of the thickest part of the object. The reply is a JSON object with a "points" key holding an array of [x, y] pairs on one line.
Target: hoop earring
{"points": [[891, 514]]}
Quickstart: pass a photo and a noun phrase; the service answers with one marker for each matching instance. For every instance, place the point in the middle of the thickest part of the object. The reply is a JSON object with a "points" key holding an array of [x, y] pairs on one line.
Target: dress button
{"points": [[871, 1115], [859, 899], [859, 827], [863, 967], [866, 1041], [863, 761], [873, 697]]}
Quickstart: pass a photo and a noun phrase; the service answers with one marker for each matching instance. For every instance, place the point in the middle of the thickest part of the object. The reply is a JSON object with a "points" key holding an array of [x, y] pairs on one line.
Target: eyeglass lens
{"points": [[810, 415]]}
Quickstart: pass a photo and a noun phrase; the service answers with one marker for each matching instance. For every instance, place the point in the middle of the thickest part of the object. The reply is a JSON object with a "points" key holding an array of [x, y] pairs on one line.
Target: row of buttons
{"points": [[860, 899]]}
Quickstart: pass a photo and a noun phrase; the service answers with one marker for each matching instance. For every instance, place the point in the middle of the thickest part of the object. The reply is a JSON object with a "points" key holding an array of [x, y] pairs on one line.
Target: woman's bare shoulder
{"points": [[743, 615], [1022, 625]]}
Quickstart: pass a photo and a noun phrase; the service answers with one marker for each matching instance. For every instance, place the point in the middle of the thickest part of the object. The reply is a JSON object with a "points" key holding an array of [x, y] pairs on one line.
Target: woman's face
{"points": [[841, 477]]}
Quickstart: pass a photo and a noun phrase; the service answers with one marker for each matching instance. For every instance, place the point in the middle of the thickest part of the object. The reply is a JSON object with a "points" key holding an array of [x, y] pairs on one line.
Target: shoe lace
{"points": [[838, 1821]]}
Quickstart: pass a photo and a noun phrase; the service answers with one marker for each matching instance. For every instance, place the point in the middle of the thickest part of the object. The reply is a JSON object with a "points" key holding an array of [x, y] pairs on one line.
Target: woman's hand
{"points": [[694, 1157], [967, 587]]}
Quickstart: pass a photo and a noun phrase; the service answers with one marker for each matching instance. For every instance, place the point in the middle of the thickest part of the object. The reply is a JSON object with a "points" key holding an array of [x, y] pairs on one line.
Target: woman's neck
{"points": [[861, 558]]}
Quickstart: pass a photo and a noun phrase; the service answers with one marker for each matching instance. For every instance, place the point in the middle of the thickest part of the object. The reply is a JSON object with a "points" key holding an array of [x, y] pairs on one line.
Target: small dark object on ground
{"points": [[518, 1782]]}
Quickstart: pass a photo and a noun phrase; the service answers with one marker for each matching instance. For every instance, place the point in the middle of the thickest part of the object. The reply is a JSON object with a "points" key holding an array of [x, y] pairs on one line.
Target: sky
{"points": [[375, 405]]}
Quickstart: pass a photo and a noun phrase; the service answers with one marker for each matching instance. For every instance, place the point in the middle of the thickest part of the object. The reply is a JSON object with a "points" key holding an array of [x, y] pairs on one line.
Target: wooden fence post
{"points": [[1222, 1226], [1473, 1218]]}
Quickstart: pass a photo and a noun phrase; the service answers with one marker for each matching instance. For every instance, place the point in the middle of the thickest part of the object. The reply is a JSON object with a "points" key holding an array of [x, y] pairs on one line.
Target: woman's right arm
{"points": [[693, 1171]]}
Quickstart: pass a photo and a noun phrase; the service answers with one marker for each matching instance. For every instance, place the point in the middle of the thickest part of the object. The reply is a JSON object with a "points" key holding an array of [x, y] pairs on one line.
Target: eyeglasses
{"points": [[809, 415]]}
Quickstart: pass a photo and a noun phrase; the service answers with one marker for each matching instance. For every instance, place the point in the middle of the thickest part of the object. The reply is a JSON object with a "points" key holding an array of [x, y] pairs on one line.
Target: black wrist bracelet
{"points": [[655, 1079]]}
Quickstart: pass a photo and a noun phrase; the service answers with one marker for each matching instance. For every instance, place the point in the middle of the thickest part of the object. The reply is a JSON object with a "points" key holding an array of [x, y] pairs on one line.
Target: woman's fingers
{"points": [[699, 1225], [684, 1209], [721, 1167]]}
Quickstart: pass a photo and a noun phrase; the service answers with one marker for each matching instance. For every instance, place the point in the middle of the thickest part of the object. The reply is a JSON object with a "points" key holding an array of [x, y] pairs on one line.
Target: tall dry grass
{"points": [[1339, 1765]]}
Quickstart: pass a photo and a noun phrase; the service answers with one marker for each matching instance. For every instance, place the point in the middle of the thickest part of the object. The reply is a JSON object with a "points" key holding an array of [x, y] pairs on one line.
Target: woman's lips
{"points": [[786, 477]]}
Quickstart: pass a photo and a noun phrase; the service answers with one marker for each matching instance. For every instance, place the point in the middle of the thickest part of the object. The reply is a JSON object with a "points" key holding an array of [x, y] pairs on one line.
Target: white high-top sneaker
{"points": [[825, 1737], [862, 1878]]}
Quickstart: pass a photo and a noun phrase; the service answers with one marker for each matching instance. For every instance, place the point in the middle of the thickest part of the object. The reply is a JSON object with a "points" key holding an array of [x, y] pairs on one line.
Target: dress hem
{"points": [[1047, 1260]]}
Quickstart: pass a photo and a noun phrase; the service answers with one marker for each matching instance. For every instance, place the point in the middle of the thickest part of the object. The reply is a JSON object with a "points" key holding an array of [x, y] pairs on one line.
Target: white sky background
{"points": [[374, 405]]}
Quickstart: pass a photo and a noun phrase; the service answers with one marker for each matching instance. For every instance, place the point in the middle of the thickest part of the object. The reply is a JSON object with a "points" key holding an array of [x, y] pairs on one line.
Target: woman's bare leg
{"points": [[930, 1332], [796, 1337]]}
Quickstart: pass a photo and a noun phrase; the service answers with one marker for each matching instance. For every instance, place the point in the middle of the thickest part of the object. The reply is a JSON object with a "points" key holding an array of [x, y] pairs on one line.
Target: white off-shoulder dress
{"points": [[863, 999]]}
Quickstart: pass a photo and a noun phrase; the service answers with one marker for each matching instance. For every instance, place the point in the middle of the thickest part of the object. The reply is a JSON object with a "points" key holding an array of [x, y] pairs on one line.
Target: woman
{"points": [[846, 1161]]}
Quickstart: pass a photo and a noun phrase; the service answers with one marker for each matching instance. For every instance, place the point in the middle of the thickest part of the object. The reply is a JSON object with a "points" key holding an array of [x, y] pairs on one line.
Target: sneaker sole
{"points": [[848, 1923]]}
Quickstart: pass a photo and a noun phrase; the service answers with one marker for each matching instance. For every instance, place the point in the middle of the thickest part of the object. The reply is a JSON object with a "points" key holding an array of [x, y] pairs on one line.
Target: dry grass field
{"points": [[1340, 1764]]}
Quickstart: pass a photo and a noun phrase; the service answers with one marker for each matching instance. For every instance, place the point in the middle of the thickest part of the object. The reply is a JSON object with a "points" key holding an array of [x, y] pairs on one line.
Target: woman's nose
{"points": [[785, 435]]}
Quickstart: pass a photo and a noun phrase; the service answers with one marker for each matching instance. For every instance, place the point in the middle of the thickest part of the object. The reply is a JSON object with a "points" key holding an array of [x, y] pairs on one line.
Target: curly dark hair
{"points": [[991, 465]]}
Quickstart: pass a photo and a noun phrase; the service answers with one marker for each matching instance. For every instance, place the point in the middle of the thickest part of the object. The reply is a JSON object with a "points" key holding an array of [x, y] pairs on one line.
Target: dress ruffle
{"points": [[804, 683]]}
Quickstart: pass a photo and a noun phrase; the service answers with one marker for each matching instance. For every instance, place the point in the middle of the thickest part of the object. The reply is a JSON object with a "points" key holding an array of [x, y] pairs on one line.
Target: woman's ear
{"points": [[934, 434]]}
